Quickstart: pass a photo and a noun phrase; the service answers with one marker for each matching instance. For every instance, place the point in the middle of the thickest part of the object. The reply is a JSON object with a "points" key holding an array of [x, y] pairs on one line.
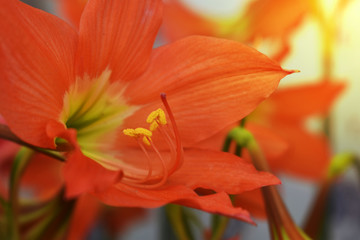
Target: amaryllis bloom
{"points": [[295, 114], [98, 90], [281, 126], [273, 20]]}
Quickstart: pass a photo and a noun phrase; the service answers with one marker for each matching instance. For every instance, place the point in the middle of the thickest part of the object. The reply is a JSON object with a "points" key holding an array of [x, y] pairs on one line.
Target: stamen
{"points": [[138, 132], [157, 115], [179, 149], [157, 120]]}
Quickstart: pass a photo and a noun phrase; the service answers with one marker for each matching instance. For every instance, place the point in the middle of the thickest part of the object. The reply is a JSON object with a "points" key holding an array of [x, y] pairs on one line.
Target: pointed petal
{"points": [[210, 83], [218, 203], [221, 172], [118, 35], [36, 66], [302, 101], [84, 217]]}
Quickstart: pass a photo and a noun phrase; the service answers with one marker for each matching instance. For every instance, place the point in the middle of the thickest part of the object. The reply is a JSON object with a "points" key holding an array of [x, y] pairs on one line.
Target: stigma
{"points": [[169, 133]]}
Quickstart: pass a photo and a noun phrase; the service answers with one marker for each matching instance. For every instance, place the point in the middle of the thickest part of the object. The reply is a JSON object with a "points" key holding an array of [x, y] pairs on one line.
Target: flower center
{"points": [[95, 108]]}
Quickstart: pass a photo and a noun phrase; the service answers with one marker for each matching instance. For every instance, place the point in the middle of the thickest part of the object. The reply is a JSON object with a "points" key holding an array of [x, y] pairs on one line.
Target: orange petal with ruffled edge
{"points": [[219, 171], [210, 84], [117, 35], [219, 203]]}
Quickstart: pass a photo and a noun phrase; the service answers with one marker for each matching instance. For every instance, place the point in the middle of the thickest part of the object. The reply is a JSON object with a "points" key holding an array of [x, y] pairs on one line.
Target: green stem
{"points": [[278, 215], [38, 213], [219, 225], [176, 216], [5, 133], [53, 223], [3, 203], [20, 162]]}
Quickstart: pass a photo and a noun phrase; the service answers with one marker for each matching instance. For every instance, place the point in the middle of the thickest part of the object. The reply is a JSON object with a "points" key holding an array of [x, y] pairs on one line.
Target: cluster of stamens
{"points": [[157, 122]]}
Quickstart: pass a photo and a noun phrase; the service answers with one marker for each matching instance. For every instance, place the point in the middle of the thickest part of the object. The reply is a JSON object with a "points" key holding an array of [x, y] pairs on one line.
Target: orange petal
{"points": [[36, 66], [42, 178], [210, 83], [253, 202], [118, 35], [84, 217], [273, 145], [72, 10], [308, 155], [218, 203], [180, 21], [221, 172], [93, 175], [274, 18], [302, 101]]}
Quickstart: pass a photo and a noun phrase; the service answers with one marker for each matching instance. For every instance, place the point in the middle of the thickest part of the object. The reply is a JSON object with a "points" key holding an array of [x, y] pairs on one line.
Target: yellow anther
{"points": [[154, 125], [146, 141], [143, 131], [158, 115], [129, 132], [138, 132]]}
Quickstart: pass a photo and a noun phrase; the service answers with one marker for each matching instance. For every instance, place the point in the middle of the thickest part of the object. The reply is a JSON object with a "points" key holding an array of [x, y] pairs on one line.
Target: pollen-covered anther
{"points": [[156, 118], [139, 132]]}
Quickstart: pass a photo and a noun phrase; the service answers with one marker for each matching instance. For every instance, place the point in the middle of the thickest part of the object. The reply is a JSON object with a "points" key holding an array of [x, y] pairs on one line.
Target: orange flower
{"points": [[287, 113], [93, 87], [279, 125], [263, 19]]}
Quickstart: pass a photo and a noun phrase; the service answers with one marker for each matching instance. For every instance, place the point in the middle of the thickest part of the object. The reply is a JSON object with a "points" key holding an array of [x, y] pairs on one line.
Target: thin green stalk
{"points": [[3, 203], [178, 221], [19, 165], [219, 225], [278, 215], [58, 216], [36, 214], [5, 133]]}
